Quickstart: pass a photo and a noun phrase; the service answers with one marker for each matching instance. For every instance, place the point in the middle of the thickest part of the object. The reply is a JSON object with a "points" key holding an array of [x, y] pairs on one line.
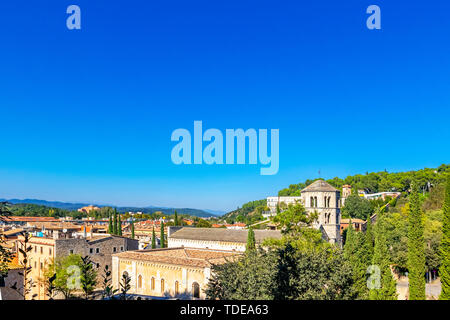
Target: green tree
{"points": [[357, 207], [132, 228], [416, 247], [88, 277], [115, 229], [162, 236], [153, 238], [383, 286], [119, 225], [251, 242], [175, 220], [65, 269], [445, 245], [107, 290], [125, 286], [110, 225], [202, 223]]}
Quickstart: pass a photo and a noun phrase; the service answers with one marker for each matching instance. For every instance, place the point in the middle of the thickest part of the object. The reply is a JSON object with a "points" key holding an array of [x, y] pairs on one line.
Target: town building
{"points": [[216, 238], [357, 224], [45, 250], [13, 279], [168, 272], [320, 197], [88, 209]]}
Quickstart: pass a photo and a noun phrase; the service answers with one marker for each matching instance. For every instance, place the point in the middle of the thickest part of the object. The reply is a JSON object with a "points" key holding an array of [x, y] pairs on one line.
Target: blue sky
{"points": [[87, 115]]}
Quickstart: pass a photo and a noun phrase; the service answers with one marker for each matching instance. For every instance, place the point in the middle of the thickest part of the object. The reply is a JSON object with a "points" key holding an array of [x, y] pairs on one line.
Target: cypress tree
{"points": [[416, 247], [349, 246], [110, 225], [132, 228], [381, 261], [251, 243], [444, 269], [115, 222], [119, 226], [369, 236], [153, 238], [175, 222], [163, 244]]}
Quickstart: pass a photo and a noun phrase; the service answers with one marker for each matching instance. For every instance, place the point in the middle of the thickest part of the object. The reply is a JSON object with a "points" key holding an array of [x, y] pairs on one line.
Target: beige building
{"points": [[215, 238], [168, 272], [44, 250], [320, 197]]}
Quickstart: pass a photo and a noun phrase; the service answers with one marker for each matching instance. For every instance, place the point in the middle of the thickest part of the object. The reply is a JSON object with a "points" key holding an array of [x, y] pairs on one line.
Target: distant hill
{"points": [[150, 209]]}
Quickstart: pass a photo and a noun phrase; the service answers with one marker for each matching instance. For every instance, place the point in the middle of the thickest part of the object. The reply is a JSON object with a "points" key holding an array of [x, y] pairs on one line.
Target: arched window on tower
{"points": [[162, 285], [325, 201], [139, 282], [177, 288], [315, 202], [152, 283], [329, 200], [312, 202]]}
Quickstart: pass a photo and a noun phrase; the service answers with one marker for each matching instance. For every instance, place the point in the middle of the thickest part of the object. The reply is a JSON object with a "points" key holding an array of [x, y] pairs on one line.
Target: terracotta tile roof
{"points": [[221, 234], [181, 256], [319, 185], [28, 219], [354, 220]]}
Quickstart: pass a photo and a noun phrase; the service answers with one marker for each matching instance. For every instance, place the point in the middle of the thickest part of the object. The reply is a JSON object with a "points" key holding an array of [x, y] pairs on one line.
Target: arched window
{"points": [[315, 202], [177, 289], [152, 283], [311, 202], [196, 290], [329, 200], [162, 285], [325, 201], [139, 282]]}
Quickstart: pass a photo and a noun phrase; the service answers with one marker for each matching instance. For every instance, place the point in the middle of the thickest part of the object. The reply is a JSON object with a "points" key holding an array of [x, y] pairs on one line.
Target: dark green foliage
{"points": [[251, 242], [202, 223], [385, 285], [119, 225], [115, 229], [107, 290], [28, 283], [359, 253], [162, 236], [416, 247], [283, 273], [88, 277], [357, 207], [132, 228], [445, 245], [153, 239], [175, 220], [125, 286], [110, 225], [50, 287]]}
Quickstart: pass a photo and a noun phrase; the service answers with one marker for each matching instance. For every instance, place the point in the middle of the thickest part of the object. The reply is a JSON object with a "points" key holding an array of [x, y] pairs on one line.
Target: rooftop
{"points": [[320, 185], [181, 256], [221, 234]]}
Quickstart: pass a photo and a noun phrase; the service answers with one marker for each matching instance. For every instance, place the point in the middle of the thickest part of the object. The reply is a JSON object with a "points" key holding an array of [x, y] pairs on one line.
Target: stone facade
{"points": [[318, 197], [46, 250], [169, 272]]}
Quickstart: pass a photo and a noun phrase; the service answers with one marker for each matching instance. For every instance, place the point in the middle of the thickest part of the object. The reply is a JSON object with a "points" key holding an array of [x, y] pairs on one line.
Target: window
{"points": [[177, 289], [152, 283], [196, 290], [139, 282], [162, 285], [50, 251], [121, 248], [42, 250], [35, 264], [71, 251], [35, 249], [114, 249], [42, 266], [97, 250], [325, 201], [91, 250], [311, 202]]}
